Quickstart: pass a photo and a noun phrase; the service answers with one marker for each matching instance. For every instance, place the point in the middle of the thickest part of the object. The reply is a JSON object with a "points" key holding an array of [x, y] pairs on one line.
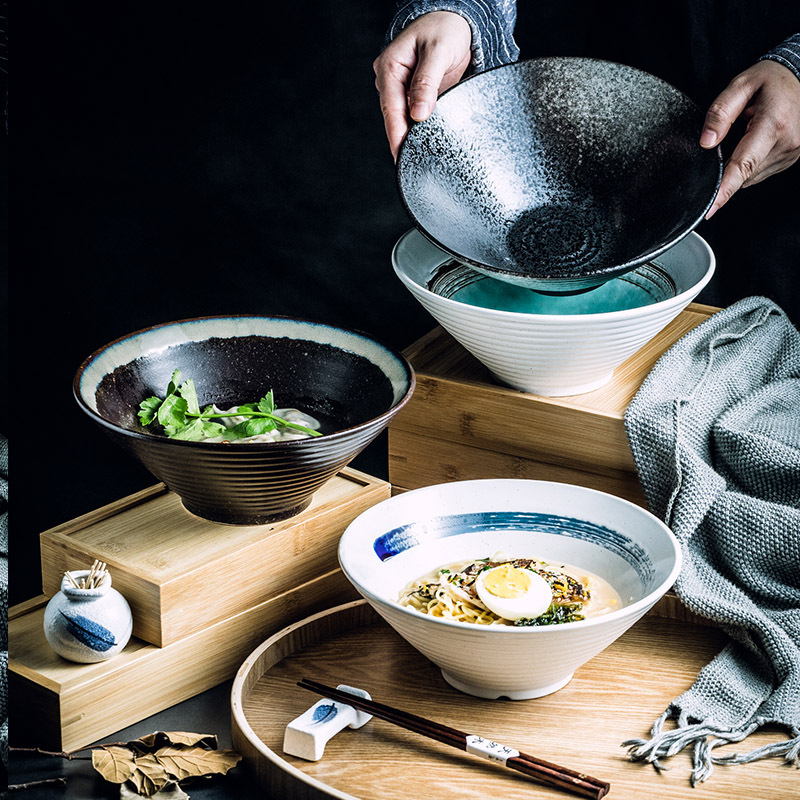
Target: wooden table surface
{"points": [[614, 697]]}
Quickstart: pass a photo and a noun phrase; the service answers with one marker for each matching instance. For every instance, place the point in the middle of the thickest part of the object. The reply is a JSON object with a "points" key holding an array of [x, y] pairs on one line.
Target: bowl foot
{"points": [[245, 517], [492, 694], [558, 391]]}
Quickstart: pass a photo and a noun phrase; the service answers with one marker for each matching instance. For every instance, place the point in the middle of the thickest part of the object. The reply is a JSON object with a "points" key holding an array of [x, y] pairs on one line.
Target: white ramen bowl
{"points": [[411, 534], [554, 354]]}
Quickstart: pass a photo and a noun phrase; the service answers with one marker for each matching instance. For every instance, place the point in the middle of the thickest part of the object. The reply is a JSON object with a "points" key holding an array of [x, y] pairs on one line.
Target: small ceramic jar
{"points": [[87, 625]]}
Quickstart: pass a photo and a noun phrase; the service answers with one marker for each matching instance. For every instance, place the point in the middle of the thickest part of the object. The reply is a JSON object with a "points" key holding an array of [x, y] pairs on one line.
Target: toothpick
{"points": [[68, 575]]}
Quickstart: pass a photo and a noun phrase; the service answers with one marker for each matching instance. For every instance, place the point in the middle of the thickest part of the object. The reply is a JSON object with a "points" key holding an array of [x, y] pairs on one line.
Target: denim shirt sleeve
{"points": [[787, 53], [492, 23]]}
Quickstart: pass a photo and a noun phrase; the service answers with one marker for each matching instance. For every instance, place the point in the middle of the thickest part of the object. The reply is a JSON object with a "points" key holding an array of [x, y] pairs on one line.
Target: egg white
{"points": [[533, 603]]}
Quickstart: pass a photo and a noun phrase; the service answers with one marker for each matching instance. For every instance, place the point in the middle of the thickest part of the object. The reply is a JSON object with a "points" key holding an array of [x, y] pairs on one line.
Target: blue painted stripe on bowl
{"points": [[416, 533]]}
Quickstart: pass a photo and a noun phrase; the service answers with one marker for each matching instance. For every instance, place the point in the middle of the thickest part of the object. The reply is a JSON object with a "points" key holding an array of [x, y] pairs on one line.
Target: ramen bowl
{"points": [[402, 539], [552, 345], [558, 174], [351, 383]]}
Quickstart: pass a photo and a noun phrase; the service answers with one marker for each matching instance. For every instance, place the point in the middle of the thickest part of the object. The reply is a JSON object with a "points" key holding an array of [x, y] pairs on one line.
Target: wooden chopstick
{"points": [[576, 782]]}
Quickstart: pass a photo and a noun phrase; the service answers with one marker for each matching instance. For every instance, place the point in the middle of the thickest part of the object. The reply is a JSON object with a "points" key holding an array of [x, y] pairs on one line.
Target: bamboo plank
{"points": [[457, 400], [175, 569], [416, 460], [613, 697], [57, 704]]}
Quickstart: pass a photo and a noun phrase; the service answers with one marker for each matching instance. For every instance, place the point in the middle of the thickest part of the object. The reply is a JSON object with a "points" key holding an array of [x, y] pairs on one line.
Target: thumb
{"points": [[724, 111]]}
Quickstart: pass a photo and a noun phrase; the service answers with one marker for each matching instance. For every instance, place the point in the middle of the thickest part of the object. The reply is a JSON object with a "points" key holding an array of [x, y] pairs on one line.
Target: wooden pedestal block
{"points": [[460, 424], [180, 573], [57, 704]]}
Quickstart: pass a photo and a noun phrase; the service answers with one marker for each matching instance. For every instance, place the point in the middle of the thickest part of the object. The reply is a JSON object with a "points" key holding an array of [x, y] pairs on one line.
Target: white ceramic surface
{"points": [[87, 625], [405, 537], [553, 354]]}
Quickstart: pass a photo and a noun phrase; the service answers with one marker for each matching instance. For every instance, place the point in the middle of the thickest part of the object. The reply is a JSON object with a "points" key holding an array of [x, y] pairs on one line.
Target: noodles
{"points": [[452, 592]]}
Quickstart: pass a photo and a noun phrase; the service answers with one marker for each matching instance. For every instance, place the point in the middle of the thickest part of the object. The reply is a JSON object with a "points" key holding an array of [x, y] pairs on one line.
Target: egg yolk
{"points": [[508, 581]]}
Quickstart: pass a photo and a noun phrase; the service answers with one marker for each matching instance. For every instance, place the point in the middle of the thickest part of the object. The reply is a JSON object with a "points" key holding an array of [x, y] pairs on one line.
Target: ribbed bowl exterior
{"points": [[549, 358], [550, 354], [252, 486], [504, 663]]}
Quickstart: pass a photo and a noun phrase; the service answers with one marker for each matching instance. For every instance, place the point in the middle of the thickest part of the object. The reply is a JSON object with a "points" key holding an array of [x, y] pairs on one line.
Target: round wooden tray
{"points": [[616, 696]]}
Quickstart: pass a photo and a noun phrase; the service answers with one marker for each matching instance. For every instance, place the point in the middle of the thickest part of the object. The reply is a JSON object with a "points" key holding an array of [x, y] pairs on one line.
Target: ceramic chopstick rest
{"points": [[87, 624], [307, 735]]}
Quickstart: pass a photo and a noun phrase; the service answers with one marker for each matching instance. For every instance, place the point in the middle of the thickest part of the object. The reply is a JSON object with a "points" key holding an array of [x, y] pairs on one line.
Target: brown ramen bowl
{"points": [[345, 379]]}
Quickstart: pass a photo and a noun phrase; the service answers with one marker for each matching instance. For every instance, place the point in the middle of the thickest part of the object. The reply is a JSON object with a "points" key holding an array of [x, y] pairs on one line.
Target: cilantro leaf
{"points": [[180, 416], [251, 427], [174, 382], [172, 412], [266, 405], [189, 394], [197, 430], [148, 409]]}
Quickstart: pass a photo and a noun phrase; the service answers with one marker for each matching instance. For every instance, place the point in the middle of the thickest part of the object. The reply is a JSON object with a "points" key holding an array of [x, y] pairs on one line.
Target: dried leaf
{"points": [[170, 792], [149, 775], [152, 765], [115, 764], [185, 762], [153, 741]]}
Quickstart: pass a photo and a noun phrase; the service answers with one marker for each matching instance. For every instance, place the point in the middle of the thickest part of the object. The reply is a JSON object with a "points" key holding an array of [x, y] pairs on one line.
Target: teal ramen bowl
{"points": [[412, 534], [347, 380]]}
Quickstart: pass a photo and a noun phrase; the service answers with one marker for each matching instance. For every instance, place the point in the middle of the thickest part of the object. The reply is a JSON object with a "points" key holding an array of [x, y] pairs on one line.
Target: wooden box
{"points": [[460, 424], [181, 573], [59, 705]]}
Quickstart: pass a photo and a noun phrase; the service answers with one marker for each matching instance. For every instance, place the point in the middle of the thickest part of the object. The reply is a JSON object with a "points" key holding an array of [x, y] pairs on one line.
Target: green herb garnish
{"points": [[180, 415], [555, 615]]}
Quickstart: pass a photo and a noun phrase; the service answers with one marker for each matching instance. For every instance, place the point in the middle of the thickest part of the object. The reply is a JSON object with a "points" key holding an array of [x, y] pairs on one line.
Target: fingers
{"points": [[744, 165], [426, 82], [724, 111], [391, 84]]}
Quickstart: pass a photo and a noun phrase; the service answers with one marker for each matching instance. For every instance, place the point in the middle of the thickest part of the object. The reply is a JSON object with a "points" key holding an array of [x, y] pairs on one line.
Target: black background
{"points": [[173, 160]]}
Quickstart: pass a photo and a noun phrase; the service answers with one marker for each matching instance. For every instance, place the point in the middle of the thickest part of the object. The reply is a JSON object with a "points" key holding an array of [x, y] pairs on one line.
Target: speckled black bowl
{"points": [[353, 384], [558, 173]]}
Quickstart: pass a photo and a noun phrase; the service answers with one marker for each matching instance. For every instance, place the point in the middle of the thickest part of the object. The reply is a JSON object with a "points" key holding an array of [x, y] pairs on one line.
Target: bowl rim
{"points": [[247, 447], [612, 271], [633, 609], [598, 316]]}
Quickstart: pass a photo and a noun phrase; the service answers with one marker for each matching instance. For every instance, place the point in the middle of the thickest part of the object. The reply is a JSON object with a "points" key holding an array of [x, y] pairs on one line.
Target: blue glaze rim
{"points": [[406, 537], [79, 380]]}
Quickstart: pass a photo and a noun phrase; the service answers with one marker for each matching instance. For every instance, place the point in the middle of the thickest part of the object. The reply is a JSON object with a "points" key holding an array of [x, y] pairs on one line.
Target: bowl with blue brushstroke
{"points": [[401, 539]]}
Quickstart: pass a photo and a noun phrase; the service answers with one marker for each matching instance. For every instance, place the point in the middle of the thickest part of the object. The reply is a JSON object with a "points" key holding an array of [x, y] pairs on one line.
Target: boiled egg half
{"points": [[513, 593]]}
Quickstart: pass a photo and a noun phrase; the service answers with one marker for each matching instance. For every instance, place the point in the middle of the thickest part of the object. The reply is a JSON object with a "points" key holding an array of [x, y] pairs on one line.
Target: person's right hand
{"points": [[427, 58]]}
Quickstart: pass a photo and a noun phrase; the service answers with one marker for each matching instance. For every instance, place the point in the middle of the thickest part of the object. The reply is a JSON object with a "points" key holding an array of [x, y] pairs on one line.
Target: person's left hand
{"points": [[768, 96]]}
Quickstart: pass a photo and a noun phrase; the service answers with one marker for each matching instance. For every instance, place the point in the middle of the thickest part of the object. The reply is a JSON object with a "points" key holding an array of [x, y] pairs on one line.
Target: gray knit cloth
{"points": [[715, 435]]}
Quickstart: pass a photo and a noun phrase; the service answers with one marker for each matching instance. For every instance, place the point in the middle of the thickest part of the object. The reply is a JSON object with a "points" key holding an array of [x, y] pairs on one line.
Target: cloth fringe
{"points": [[664, 744]]}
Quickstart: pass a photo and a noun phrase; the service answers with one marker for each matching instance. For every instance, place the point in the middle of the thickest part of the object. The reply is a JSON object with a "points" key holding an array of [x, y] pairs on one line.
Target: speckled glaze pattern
{"points": [[558, 173], [553, 354], [351, 383], [465, 520], [87, 625]]}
